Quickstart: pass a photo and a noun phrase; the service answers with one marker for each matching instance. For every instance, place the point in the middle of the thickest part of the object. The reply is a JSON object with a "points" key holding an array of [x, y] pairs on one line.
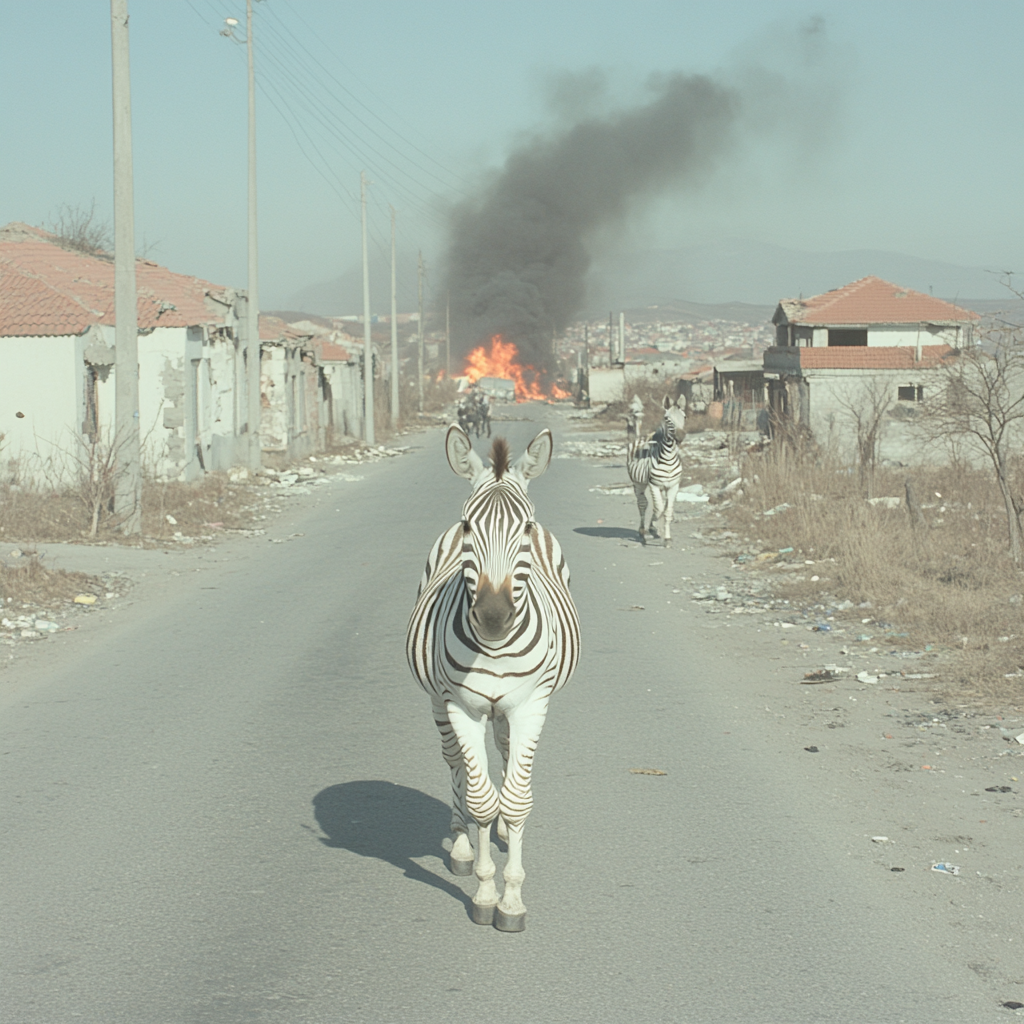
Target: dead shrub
{"points": [[948, 582]]}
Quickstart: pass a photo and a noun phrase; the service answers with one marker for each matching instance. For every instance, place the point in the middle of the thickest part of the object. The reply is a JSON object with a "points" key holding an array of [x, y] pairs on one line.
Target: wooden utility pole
{"points": [[419, 288], [448, 333], [128, 483], [368, 432], [394, 328]]}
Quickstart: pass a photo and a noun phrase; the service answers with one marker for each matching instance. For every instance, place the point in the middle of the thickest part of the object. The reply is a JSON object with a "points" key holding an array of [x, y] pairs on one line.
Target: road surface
{"points": [[228, 804]]}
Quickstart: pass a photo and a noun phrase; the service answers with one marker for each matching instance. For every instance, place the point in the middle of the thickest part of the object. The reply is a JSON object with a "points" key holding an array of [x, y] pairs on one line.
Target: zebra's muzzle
{"points": [[494, 612]]}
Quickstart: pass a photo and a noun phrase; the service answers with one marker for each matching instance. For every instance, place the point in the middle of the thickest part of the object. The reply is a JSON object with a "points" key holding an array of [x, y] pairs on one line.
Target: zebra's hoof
{"points": [[483, 913], [461, 867], [509, 922], [643, 540]]}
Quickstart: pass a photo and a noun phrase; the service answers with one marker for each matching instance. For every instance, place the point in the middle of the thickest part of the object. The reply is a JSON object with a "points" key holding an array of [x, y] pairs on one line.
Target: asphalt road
{"points": [[229, 804]]}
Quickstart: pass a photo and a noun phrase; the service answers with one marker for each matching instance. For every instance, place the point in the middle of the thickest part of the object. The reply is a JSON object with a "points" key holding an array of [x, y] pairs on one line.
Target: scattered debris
{"points": [[811, 750], [647, 771], [946, 869]]}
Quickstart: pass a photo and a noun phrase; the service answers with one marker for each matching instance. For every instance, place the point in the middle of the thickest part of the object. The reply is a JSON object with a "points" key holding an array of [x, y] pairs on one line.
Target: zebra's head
{"points": [[497, 528], [675, 417]]}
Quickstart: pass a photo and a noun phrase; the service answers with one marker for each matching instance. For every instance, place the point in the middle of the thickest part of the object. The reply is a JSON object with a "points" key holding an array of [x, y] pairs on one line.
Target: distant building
{"points": [[871, 335]]}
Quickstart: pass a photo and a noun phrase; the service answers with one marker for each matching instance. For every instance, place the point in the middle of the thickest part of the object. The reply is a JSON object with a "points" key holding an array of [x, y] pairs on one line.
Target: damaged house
{"points": [[57, 360], [869, 343]]}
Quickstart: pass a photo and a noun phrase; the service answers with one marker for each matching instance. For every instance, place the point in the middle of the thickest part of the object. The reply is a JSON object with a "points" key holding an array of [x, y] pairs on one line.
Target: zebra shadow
{"points": [[607, 531], [379, 819]]}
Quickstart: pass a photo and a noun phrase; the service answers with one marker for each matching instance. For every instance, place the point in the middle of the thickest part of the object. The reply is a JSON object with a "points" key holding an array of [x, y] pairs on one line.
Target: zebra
{"points": [[493, 634], [654, 464]]}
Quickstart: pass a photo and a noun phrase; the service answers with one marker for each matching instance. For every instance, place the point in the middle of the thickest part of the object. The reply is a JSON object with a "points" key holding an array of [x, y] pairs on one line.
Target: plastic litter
{"points": [[785, 551], [865, 677], [946, 869], [879, 839], [85, 599]]}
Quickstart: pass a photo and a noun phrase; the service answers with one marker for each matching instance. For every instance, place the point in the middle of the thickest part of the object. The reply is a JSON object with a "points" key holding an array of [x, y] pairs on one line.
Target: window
{"points": [[847, 337], [910, 393]]}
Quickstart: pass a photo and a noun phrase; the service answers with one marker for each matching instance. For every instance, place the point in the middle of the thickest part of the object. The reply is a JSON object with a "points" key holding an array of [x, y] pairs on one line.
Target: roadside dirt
{"points": [[932, 785]]}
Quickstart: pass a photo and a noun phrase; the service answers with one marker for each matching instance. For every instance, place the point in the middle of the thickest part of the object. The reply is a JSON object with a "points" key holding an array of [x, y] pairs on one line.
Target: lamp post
{"points": [[252, 329]]}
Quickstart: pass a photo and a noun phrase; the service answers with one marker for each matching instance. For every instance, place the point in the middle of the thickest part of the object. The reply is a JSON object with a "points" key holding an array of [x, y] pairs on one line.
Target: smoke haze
{"points": [[518, 258], [518, 251]]}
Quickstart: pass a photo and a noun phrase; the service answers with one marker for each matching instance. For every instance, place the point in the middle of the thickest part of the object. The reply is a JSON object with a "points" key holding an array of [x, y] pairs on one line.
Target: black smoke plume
{"points": [[518, 256]]}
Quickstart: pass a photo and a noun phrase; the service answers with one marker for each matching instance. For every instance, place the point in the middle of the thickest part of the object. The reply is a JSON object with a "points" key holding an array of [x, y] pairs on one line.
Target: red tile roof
{"points": [[865, 357], [273, 328], [331, 352], [871, 301], [46, 289]]}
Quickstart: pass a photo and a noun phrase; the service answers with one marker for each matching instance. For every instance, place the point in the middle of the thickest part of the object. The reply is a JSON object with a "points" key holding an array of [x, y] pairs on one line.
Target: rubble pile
{"points": [[33, 621]]}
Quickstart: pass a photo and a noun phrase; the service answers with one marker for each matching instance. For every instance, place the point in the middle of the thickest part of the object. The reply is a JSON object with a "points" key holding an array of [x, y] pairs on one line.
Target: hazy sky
{"points": [[902, 130]]}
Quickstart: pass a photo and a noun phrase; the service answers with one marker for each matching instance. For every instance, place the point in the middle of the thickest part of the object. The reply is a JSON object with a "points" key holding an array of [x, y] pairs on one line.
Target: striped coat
{"points": [[493, 634], [654, 465]]}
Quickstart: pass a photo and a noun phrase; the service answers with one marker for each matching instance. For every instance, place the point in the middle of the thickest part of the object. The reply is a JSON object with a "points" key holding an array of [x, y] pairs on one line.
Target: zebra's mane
{"points": [[499, 457]]}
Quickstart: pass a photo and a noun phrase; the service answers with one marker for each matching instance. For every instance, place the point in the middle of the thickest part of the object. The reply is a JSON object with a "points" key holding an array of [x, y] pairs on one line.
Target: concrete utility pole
{"points": [[128, 483], [419, 288], [394, 328], [622, 338], [448, 334], [253, 367], [611, 343], [368, 432], [252, 319]]}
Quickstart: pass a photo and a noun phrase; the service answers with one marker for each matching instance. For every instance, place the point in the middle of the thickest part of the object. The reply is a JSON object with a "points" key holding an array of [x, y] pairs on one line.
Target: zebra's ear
{"points": [[667, 403], [461, 457], [532, 463]]}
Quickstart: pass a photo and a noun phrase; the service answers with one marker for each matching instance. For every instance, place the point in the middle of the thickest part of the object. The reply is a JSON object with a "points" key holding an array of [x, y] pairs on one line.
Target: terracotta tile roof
{"points": [[273, 328], [46, 289], [871, 301], [331, 352], [857, 357]]}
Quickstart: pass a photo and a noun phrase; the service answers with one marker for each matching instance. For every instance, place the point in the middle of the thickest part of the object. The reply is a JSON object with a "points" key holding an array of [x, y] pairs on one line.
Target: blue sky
{"points": [[904, 134]]}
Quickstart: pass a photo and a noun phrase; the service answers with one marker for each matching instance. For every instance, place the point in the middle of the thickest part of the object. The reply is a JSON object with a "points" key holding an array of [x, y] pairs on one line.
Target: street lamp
{"points": [[253, 312]]}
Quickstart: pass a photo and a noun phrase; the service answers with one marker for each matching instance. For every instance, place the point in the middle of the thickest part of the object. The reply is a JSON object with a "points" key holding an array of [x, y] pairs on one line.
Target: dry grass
{"points": [[32, 584], [42, 514], [949, 582]]}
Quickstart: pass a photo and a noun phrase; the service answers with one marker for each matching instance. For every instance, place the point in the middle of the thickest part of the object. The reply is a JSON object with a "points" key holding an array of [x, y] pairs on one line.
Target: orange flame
{"points": [[503, 361]]}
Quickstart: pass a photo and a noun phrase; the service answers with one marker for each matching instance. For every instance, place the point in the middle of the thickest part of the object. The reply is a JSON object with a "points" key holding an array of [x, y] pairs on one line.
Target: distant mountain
{"points": [[760, 274], [343, 295], [728, 280]]}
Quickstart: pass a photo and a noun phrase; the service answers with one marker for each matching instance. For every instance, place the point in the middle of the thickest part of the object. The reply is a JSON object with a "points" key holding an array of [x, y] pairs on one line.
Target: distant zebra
{"points": [[654, 465], [493, 634]]}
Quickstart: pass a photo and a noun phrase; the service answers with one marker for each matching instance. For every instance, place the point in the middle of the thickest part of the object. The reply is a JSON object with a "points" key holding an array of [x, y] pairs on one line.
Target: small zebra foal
{"points": [[654, 465], [492, 635]]}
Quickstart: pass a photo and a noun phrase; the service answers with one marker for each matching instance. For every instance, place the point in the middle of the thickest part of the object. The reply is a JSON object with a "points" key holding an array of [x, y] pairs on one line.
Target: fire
{"points": [[503, 361]]}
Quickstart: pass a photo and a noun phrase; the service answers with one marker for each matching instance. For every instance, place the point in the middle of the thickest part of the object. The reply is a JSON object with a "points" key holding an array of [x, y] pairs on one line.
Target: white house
{"points": [[57, 362], [869, 341]]}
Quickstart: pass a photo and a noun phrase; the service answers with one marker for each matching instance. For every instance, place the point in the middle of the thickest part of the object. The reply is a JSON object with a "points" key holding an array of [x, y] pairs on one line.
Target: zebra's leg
{"points": [[670, 511], [516, 801], [501, 742], [658, 501], [482, 801], [462, 849], [641, 504]]}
